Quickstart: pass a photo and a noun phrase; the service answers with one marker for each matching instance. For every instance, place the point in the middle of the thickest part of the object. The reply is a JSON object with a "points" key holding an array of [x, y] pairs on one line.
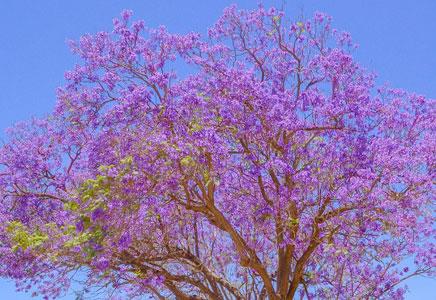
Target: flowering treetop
{"points": [[270, 168]]}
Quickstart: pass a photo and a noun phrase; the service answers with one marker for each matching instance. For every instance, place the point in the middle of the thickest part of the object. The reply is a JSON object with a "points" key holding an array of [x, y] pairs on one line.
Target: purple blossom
{"points": [[97, 214], [270, 162], [125, 240]]}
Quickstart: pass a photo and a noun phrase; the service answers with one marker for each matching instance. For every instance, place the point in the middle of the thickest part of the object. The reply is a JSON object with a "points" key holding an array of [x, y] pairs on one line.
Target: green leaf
{"points": [[71, 205], [187, 161], [22, 238], [78, 240], [128, 160]]}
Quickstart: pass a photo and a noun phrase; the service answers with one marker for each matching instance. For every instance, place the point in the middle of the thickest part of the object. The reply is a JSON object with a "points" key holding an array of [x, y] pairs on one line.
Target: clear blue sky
{"points": [[397, 40]]}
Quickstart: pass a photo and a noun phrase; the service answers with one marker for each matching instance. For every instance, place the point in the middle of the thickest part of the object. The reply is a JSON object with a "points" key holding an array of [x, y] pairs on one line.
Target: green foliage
{"points": [[128, 160], [195, 126], [103, 183], [78, 240], [187, 161], [71, 205], [92, 232], [92, 194], [22, 238], [293, 222]]}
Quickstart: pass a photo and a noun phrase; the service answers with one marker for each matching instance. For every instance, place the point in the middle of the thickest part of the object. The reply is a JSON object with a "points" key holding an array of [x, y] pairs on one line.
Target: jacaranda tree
{"points": [[269, 167]]}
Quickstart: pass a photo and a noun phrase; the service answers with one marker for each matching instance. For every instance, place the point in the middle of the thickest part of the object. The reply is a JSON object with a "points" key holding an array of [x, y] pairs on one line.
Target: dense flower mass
{"points": [[268, 167]]}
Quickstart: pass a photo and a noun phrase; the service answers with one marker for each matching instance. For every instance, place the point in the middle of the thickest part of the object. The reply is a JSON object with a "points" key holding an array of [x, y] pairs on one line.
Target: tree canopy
{"points": [[258, 162]]}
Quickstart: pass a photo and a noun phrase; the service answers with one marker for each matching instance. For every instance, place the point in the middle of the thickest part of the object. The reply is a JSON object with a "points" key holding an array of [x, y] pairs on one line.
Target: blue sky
{"points": [[397, 40]]}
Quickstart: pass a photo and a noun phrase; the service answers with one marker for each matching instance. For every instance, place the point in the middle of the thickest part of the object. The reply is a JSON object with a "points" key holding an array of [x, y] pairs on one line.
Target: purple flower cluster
{"points": [[272, 169]]}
